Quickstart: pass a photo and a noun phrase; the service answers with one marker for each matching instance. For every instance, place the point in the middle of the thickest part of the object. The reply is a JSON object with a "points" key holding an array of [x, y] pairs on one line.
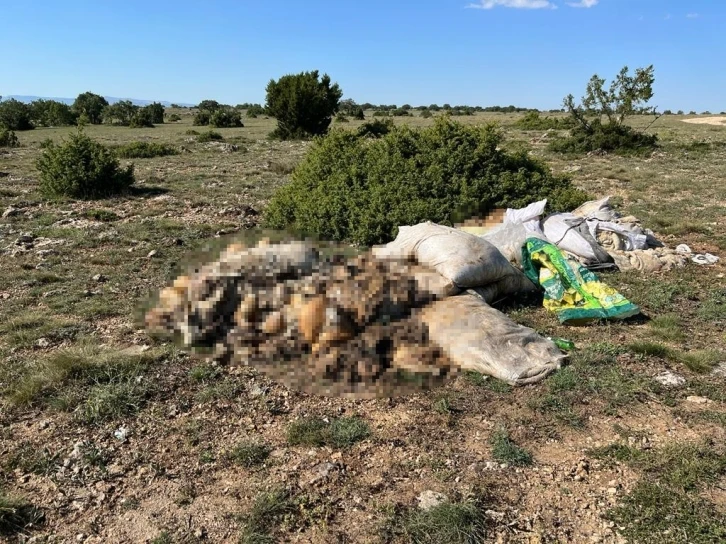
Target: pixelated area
{"points": [[320, 323]]}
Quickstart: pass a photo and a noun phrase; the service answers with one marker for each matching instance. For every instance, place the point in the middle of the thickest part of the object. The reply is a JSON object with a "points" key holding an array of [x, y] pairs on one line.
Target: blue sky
{"points": [[489, 52]]}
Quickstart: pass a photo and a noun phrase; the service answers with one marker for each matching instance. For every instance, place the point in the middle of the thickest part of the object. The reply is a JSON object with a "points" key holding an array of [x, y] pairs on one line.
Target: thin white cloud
{"points": [[583, 4], [516, 4], [668, 16], [693, 15]]}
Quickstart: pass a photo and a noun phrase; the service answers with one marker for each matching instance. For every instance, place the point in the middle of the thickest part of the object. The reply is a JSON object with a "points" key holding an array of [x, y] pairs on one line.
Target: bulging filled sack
{"points": [[477, 337], [464, 259]]}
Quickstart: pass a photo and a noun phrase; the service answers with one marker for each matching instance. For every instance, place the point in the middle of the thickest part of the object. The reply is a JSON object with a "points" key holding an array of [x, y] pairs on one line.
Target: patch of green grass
{"points": [[108, 382], [650, 349], [106, 216], [31, 459], [701, 362], [163, 538], [113, 401], [340, 433], [227, 389], [665, 505], [16, 514], [493, 384], [209, 136], [598, 354], [442, 405], [452, 523], [24, 330], [562, 408], [505, 450], [204, 373], [616, 452], [249, 454], [714, 307], [668, 327], [270, 510], [653, 513]]}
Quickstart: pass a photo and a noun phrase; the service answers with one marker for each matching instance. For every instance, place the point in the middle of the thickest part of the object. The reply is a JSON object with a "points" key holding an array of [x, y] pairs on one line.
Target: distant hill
{"points": [[111, 100]]}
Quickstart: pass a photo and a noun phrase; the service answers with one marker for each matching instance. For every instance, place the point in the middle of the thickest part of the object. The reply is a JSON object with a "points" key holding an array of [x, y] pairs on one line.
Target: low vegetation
{"points": [[339, 433], [351, 188], [82, 168], [8, 138], [145, 150]]}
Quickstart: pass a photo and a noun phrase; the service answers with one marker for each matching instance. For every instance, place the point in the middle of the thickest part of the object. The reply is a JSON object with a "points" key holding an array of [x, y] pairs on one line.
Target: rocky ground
{"points": [[111, 434]]}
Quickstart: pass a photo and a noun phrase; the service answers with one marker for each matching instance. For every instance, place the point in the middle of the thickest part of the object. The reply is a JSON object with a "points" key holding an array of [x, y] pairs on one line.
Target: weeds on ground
{"points": [[16, 514], [268, 512], [665, 505], [453, 523], [505, 450], [340, 433], [493, 384], [249, 454], [144, 150], [699, 361]]}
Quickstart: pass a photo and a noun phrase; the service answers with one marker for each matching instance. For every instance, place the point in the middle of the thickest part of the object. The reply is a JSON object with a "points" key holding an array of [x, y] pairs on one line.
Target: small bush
{"points": [[340, 118], [611, 138], [201, 118], [16, 514], [82, 168], [341, 432], [191, 132], [381, 113], [426, 114], [142, 118], [361, 189], [400, 112], [225, 119], [145, 150], [453, 523], [533, 121], [209, 136], [376, 128], [254, 110], [8, 138], [15, 115], [358, 114], [107, 216], [174, 117]]}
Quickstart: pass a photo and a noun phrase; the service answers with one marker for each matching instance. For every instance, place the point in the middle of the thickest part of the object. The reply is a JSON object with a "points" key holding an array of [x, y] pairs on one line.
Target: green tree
{"points": [[303, 104], [209, 105], [120, 113], [92, 105], [156, 111], [15, 115], [51, 113]]}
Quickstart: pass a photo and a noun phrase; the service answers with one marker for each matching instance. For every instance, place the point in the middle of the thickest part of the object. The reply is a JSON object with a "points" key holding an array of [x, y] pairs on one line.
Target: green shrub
{"points": [[303, 104], [8, 138], [145, 150], [156, 112], [51, 113], [15, 115], [143, 118], [610, 137], [191, 132], [254, 110], [426, 114], [209, 136], [376, 128], [225, 119], [120, 113], [340, 118], [91, 105], [400, 112], [360, 189], [381, 113], [358, 114], [201, 118], [82, 168], [174, 117], [533, 121]]}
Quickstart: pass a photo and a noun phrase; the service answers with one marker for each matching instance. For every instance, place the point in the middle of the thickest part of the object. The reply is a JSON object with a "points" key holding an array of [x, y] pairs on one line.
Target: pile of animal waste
{"points": [[325, 325]]}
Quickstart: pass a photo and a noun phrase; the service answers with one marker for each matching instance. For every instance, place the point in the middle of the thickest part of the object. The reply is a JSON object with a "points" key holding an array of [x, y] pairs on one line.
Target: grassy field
{"points": [[110, 435]]}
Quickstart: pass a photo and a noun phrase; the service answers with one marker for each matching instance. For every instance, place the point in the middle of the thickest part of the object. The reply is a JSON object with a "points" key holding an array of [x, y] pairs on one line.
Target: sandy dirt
{"points": [[718, 120]]}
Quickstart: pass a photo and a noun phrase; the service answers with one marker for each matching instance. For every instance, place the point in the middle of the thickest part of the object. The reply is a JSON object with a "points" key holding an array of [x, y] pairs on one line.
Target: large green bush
{"points": [[15, 115], [532, 120], [8, 138], [156, 112], [51, 113], [303, 104], [145, 150], [360, 189], [608, 137], [82, 168], [91, 105], [225, 119]]}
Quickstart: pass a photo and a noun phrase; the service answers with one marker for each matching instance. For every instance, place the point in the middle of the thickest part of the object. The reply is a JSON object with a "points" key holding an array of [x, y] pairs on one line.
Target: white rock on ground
{"points": [[669, 379], [431, 499]]}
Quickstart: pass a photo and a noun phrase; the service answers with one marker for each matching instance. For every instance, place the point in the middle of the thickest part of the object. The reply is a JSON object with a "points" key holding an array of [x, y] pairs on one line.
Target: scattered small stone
{"points": [[698, 400], [43, 253], [10, 211], [322, 472], [121, 433], [152, 253], [612, 491], [80, 537], [431, 499], [42, 343], [100, 278], [720, 371], [669, 379]]}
